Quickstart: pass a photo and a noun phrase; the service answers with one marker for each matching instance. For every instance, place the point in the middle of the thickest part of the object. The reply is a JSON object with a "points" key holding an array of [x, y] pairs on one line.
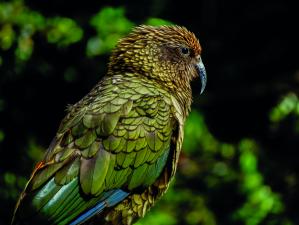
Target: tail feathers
{"points": [[115, 197]]}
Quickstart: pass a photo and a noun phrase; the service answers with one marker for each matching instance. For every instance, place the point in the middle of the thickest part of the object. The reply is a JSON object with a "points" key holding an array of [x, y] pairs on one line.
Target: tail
{"points": [[63, 205], [112, 199]]}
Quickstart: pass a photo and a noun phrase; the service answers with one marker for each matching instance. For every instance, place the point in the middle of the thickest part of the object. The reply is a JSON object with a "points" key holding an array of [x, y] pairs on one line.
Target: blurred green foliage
{"points": [[213, 175], [157, 22], [20, 24], [289, 104], [261, 201], [63, 31], [110, 24]]}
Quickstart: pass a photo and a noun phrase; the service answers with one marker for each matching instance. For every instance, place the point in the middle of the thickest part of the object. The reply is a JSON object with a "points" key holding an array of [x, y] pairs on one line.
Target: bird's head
{"points": [[167, 54]]}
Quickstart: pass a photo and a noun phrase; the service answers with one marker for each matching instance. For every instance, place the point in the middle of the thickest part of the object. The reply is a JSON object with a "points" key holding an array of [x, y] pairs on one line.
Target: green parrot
{"points": [[117, 149]]}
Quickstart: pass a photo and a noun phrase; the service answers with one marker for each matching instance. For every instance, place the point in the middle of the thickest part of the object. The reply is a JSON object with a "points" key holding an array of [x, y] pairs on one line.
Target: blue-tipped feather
{"points": [[115, 197]]}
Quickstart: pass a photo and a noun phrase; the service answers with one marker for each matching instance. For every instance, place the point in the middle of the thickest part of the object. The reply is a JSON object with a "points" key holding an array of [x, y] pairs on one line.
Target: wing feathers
{"points": [[93, 172], [102, 146]]}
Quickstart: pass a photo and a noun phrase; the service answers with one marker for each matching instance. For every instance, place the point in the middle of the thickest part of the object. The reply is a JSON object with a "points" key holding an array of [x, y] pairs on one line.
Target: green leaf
{"points": [[63, 31], [2, 135], [111, 25], [157, 22]]}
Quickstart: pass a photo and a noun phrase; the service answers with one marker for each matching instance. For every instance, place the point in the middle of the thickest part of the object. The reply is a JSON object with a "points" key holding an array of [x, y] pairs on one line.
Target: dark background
{"points": [[240, 161]]}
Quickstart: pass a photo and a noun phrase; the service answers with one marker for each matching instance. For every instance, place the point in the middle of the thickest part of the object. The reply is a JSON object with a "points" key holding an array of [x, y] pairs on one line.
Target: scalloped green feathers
{"points": [[116, 137]]}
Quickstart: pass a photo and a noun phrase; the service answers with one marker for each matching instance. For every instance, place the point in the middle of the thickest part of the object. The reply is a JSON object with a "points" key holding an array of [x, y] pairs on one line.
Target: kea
{"points": [[117, 149]]}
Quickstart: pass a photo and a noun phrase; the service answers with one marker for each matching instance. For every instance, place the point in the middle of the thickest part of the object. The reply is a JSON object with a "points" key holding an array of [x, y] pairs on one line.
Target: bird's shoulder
{"points": [[117, 94]]}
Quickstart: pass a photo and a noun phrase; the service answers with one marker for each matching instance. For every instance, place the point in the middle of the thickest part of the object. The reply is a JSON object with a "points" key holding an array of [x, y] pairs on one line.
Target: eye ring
{"points": [[185, 51]]}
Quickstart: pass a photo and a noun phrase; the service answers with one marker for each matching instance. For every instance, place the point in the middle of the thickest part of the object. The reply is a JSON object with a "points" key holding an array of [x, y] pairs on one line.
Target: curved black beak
{"points": [[200, 68]]}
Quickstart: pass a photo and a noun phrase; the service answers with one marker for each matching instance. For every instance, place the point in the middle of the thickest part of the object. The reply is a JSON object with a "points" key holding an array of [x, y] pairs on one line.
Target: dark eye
{"points": [[185, 51]]}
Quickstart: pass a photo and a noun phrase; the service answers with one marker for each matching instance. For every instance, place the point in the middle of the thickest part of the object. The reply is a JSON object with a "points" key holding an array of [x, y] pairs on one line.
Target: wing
{"points": [[114, 141]]}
